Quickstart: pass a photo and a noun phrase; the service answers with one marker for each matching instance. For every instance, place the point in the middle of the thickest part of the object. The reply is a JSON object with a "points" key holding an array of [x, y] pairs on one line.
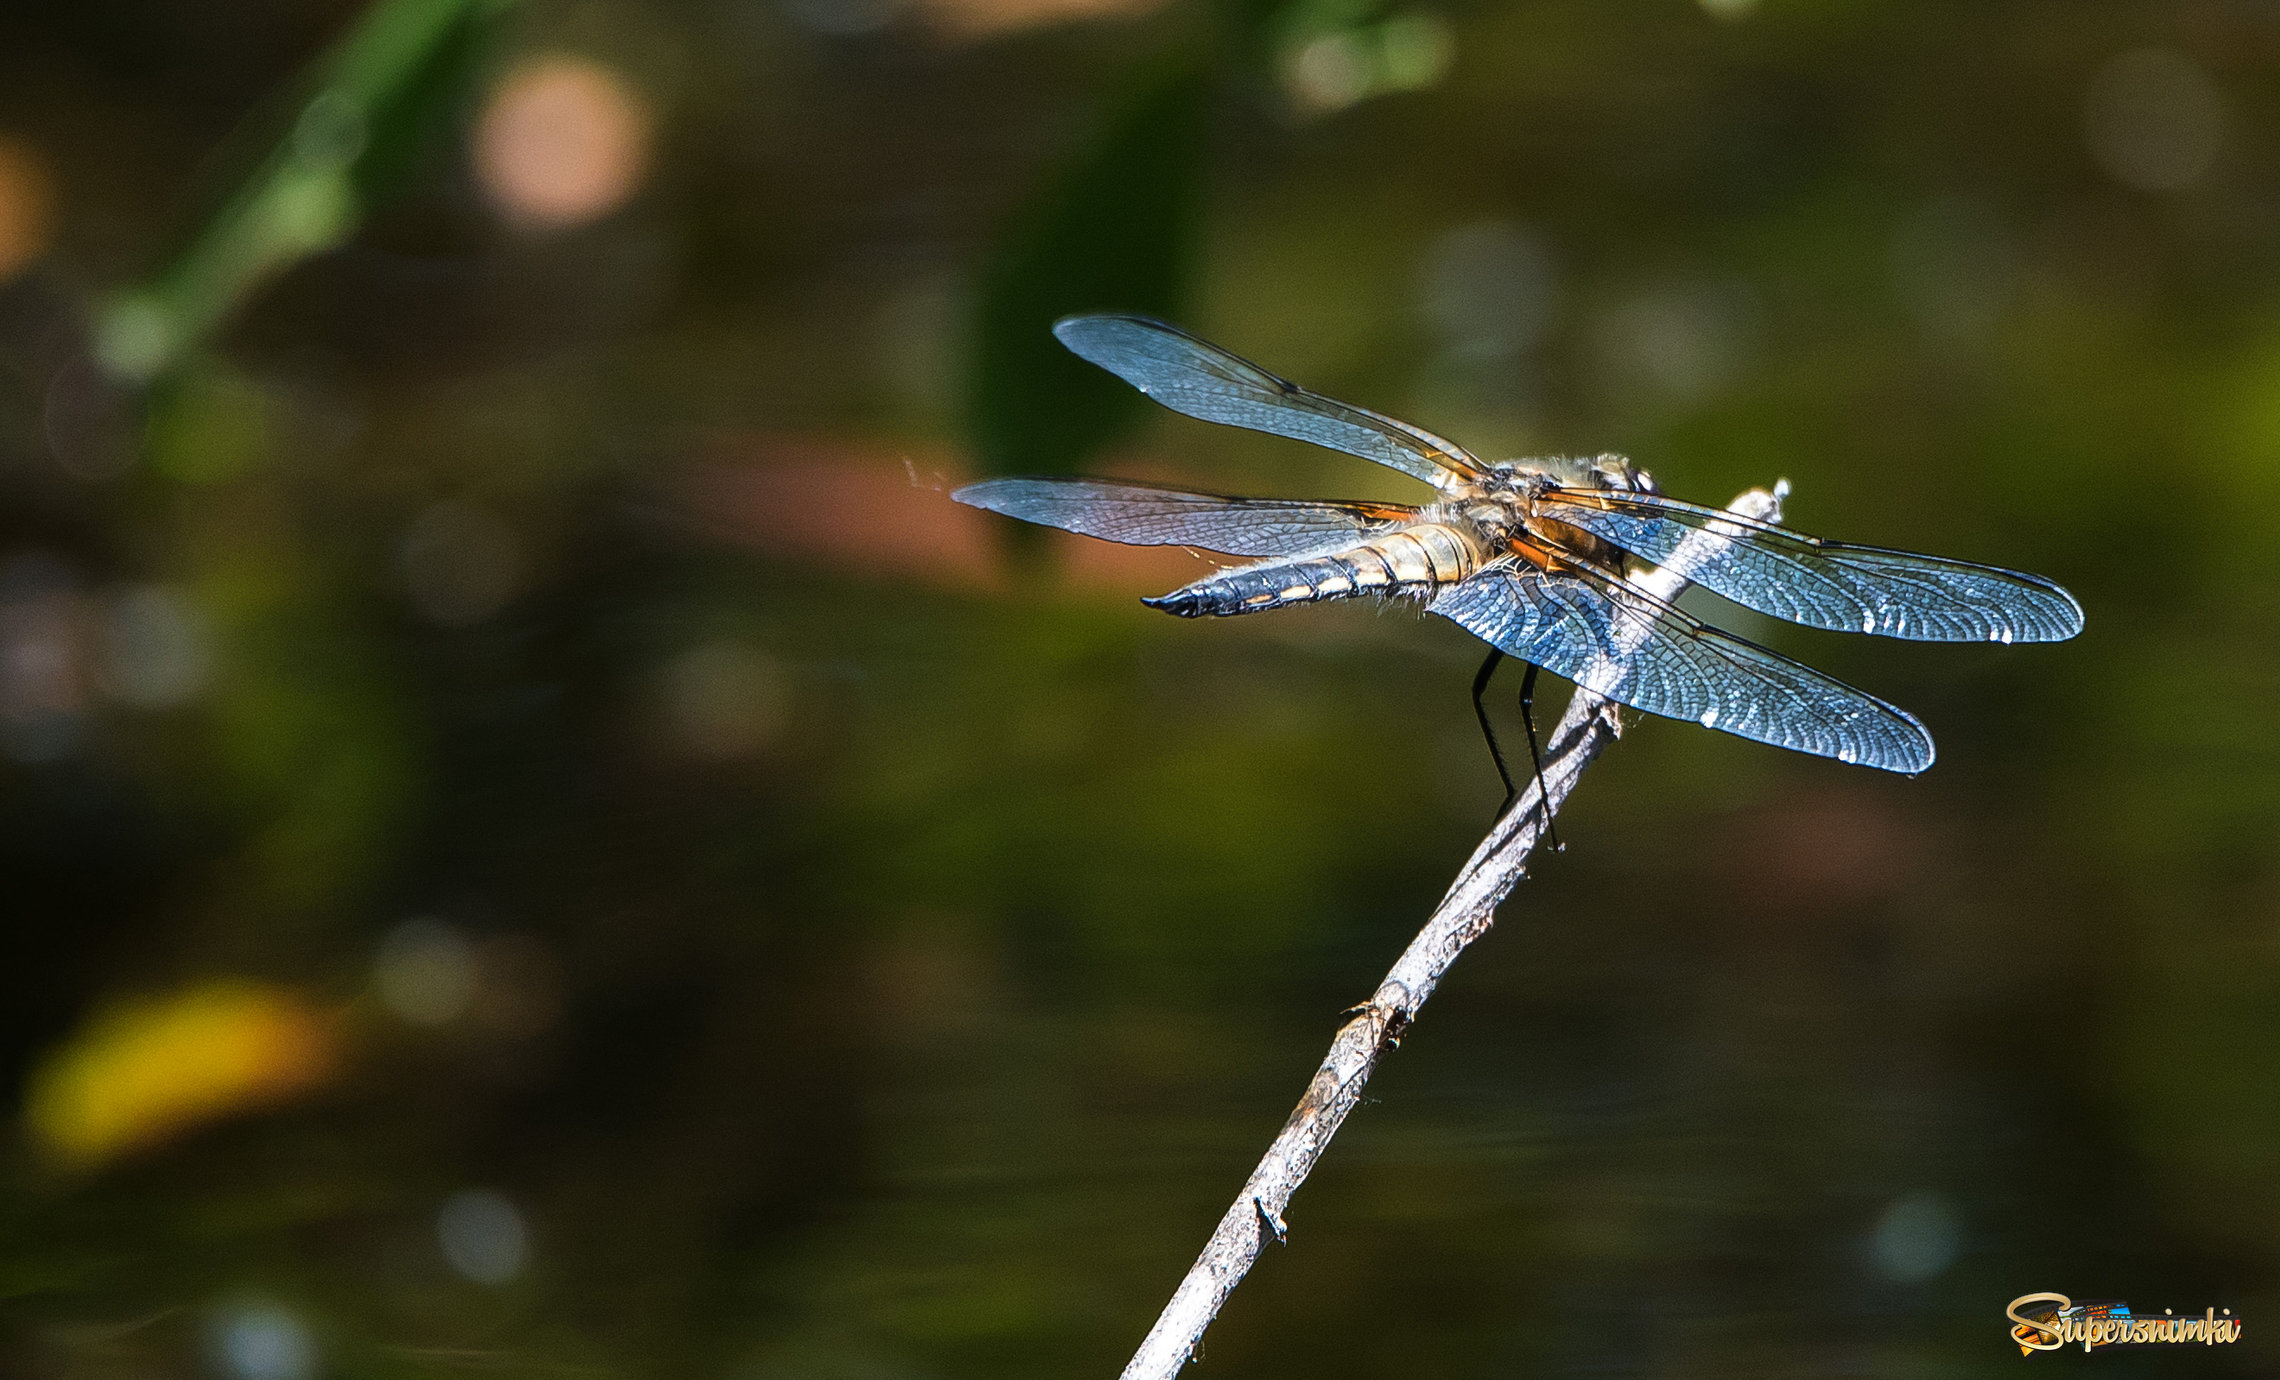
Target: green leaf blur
{"points": [[1113, 231]]}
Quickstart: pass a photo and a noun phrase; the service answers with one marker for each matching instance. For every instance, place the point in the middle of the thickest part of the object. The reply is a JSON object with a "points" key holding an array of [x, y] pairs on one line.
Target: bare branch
{"points": [[1465, 913]]}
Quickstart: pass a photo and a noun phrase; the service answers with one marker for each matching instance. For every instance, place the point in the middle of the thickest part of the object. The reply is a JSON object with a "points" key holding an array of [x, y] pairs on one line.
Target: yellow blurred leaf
{"points": [[143, 1071]]}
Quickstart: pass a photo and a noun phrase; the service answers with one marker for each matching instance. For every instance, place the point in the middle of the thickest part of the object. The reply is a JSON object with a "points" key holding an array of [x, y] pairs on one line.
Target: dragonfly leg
{"points": [[1536, 758], [1487, 730]]}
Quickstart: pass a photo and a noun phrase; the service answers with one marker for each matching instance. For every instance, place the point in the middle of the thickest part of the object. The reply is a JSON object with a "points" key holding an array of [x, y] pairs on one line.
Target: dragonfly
{"points": [[1533, 557]]}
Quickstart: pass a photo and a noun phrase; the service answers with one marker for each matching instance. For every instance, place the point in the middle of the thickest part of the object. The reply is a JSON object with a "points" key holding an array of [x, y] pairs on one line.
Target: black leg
{"points": [[1535, 758], [1480, 711]]}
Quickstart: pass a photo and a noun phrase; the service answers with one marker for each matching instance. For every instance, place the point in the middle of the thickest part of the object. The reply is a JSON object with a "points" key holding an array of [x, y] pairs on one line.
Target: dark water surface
{"points": [[536, 841]]}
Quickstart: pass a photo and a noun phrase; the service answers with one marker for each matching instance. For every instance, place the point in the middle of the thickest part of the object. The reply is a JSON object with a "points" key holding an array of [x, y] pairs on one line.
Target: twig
{"points": [[1465, 913]]}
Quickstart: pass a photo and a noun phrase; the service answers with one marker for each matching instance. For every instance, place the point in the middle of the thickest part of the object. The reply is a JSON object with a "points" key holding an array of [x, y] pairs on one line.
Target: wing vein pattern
{"points": [[1827, 584], [1621, 642], [1145, 515], [1200, 380]]}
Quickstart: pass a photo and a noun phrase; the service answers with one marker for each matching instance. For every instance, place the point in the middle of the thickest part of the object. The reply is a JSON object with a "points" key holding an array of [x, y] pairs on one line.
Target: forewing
{"points": [[1623, 643], [1825, 584], [1144, 515], [1201, 380]]}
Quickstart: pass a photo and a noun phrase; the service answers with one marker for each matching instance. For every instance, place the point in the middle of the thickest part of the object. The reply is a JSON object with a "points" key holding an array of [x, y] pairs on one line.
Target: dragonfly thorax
{"points": [[1502, 505]]}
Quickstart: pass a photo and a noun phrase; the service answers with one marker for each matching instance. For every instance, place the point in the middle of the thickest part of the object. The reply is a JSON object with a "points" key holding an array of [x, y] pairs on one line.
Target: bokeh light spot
{"points": [[135, 336], [257, 1339], [43, 675], [1328, 72], [1917, 1239], [483, 1236], [460, 564], [1330, 62], [310, 210], [158, 647], [27, 207], [425, 972], [1418, 47], [2154, 119], [562, 142]]}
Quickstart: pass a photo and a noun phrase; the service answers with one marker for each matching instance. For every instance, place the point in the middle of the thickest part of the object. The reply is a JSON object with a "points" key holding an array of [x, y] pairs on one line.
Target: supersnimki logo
{"points": [[2046, 1322]]}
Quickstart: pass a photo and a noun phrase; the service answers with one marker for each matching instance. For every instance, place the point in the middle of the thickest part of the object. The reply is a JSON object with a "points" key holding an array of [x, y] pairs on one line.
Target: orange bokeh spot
{"points": [[979, 19], [563, 141], [27, 207], [148, 1070]]}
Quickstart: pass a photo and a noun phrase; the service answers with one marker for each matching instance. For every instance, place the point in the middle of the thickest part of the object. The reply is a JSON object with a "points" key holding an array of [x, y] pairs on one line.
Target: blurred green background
{"points": [[536, 841]]}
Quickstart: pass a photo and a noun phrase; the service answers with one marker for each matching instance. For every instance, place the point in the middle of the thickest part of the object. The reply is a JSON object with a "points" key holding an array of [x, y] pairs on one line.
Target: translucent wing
{"points": [[1144, 515], [1826, 584], [1619, 641], [1201, 380]]}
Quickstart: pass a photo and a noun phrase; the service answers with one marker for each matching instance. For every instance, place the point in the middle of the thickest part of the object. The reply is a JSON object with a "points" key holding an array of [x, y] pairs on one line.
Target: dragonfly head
{"points": [[1617, 472]]}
